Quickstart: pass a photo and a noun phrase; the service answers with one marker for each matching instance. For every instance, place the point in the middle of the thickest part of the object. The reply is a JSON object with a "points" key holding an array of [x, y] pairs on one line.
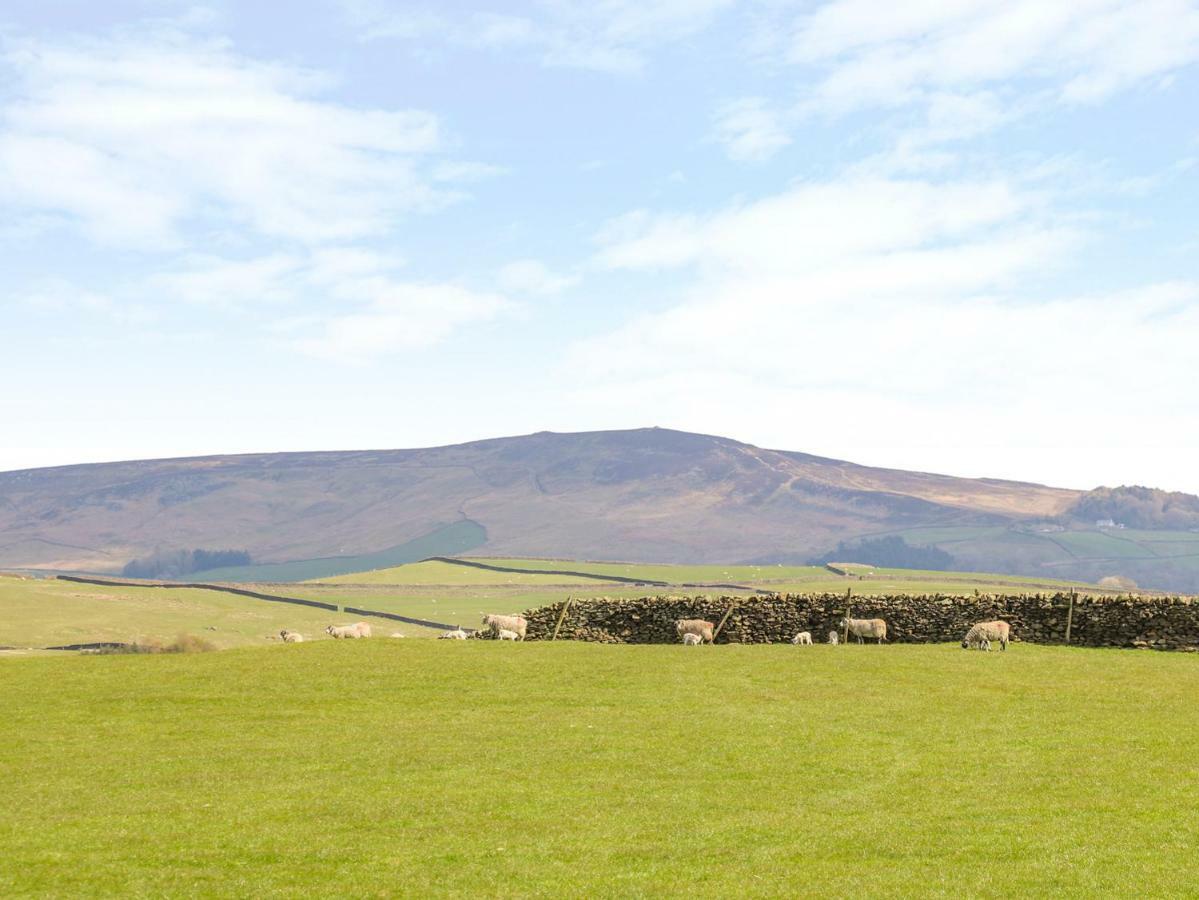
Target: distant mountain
{"points": [[642, 495]]}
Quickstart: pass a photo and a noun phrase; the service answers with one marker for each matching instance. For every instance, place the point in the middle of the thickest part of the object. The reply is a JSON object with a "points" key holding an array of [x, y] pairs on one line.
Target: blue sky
{"points": [[956, 236]]}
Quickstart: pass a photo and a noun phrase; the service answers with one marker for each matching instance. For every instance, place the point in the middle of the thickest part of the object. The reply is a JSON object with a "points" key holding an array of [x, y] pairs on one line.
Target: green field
{"points": [[46, 612], [37, 613], [423, 768], [791, 578], [445, 541]]}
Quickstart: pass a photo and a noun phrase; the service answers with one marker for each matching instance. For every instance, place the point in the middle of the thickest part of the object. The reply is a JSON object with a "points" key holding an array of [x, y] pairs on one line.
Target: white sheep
{"points": [[803, 637], [705, 630], [983, 633], [398, 634], [506, 635], [456, 635], [349, 632], [690, 639], [510, 623], [291, 637], [866, 628], [833, 638]]}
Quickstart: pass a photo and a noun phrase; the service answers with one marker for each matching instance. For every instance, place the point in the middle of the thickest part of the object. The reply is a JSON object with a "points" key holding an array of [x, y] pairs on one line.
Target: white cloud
{"points": [[530, 276], [750, 130], [1082, 51], [906, 313], [815, 226], [605, 35], [61, 298], [400, 316], [134, 137], [346, 304]]}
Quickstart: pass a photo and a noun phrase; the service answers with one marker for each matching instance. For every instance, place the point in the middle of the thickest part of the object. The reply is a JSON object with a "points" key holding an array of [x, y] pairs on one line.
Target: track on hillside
{"points": [[618, 579]]}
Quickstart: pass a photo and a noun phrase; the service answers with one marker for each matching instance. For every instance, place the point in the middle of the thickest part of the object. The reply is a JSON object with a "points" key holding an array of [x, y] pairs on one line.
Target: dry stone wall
{"points": [[1165, 623]]}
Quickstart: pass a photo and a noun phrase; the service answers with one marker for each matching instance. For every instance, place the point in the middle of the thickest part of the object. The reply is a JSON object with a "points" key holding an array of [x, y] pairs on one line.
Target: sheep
{"points": [[704, 629], [291, 637], [508, 623], [833, 638], [803, 637], [347, 632], [864, 628], [983, 633], [506, 635], [456, 635], [690, 639], [398, 634]]}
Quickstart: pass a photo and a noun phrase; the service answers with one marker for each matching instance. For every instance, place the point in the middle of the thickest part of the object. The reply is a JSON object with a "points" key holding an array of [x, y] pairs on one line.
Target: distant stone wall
{"points": [[1164, 623]]}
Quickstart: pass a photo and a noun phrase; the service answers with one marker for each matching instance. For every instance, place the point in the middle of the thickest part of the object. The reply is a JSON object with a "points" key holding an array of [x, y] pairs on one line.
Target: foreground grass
{"points": [[442, 768]]}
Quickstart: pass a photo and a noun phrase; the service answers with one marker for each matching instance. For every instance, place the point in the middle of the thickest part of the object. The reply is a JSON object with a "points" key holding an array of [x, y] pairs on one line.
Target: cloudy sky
{"points": [[950, 235]]}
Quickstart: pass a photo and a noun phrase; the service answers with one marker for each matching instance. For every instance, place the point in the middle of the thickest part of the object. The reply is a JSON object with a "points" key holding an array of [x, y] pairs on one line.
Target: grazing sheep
{"points": [[506, 635], [704, 629], [348, 632], [291, 637], [866, 628], [833, 638], [983, 633], [690, 639], [456, 635], [508, 623], [804, 637]]}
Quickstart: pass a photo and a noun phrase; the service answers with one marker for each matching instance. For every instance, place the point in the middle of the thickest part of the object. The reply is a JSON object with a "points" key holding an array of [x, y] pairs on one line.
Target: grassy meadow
{"points": [[424, 768], [45, 612]]}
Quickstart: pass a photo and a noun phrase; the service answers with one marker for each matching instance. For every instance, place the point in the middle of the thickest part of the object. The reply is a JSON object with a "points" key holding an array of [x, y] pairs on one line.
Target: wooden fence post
{"points": [[561, 616], [1070, 616], [728, 612]]}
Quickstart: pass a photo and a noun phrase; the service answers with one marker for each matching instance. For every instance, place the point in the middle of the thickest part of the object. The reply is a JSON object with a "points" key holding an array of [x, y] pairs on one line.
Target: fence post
{"points": [[845, 636], [728, 612], [561, 616], [1070, 616]]}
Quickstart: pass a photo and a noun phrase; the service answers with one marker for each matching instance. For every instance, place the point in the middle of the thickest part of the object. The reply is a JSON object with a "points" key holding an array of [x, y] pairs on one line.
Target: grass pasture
{"points": [[423, 768], [45, 613]]}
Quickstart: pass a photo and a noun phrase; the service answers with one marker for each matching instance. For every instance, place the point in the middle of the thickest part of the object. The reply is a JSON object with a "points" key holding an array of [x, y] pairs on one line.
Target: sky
{"points": [[948, 235]]}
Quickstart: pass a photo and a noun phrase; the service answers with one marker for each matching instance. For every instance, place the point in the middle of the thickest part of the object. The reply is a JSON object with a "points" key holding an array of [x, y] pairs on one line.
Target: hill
{"points": [[641, 495]]}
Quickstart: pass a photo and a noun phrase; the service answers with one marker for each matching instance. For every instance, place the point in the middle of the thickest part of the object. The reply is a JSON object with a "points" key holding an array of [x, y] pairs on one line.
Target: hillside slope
{"points": [[641, 495]]}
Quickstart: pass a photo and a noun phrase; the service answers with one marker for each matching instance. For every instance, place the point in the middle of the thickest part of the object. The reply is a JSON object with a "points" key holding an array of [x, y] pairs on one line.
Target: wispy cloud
{"points": [[606, 35], [531, 276], [750, 130], [132, 138], [397, 317], [1082, 51]]}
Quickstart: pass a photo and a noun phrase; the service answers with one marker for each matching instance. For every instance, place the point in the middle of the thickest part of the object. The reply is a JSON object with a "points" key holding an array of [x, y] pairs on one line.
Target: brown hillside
{"points": [[648, 494]]}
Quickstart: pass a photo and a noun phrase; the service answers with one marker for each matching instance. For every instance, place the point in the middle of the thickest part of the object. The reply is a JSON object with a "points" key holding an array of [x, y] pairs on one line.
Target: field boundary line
{"points": [[257, 595]]}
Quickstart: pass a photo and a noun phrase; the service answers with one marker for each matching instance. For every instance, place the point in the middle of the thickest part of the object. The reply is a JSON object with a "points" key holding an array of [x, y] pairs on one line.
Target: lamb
{"points": [[291, 637], [508, 623], [704, 629], [983, 633], [456, 635], [833, 638], [866, 628], [804, 637], [349, 632], [506, 635], [690, 639]]}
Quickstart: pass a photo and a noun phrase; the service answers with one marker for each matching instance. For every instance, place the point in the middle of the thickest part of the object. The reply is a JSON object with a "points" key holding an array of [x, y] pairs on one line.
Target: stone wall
{"points": [[1166, 623]]}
